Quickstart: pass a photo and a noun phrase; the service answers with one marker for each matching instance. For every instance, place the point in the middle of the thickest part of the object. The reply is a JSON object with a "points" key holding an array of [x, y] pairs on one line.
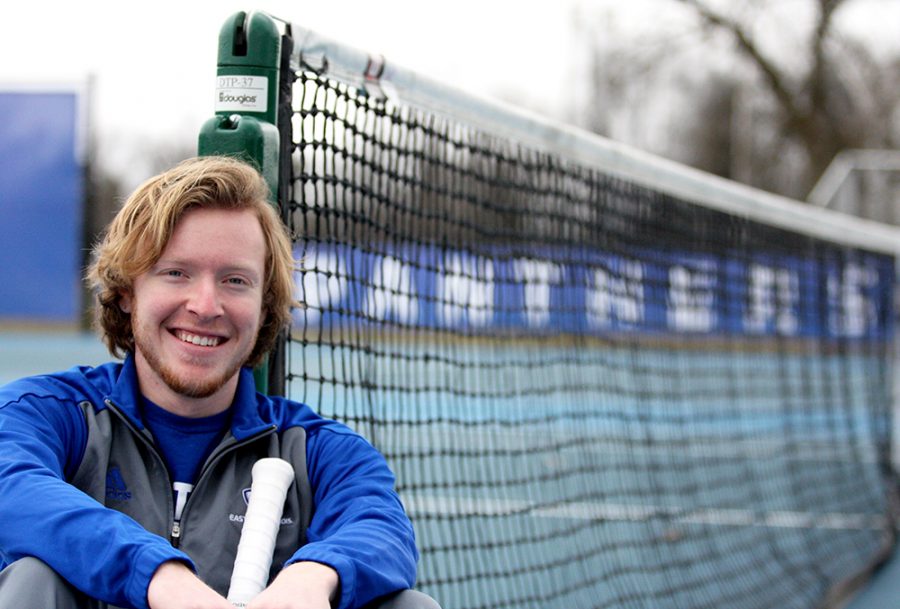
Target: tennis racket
{"points": [[270, 479]]}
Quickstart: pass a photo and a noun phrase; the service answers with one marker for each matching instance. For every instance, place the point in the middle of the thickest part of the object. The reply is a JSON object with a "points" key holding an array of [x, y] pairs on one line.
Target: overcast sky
{"points": [[154, 61]]}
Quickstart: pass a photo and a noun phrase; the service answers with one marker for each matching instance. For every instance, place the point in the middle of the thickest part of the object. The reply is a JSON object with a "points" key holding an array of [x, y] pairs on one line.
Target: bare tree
{"points": [[791, 111], [840, 100]]}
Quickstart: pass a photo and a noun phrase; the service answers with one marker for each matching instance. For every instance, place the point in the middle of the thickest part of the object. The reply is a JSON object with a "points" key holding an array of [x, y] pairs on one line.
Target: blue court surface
{"points": [[883, 590]]}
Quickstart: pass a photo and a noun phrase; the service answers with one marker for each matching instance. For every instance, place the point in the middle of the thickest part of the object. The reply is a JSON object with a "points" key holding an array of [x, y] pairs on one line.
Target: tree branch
{"points": [[777, 80], [818, 76]]}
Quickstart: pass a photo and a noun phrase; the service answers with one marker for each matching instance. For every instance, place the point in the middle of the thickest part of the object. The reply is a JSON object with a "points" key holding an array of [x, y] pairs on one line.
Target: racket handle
{"points": [[270, 481]]}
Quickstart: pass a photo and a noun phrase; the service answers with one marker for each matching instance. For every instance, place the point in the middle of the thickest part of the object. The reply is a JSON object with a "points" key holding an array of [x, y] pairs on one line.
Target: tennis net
{"points": [[603, 380]]}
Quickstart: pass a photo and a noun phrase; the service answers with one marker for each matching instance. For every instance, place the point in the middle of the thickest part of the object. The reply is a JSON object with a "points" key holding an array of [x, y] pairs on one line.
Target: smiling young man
{"points": [[196, 313], [124, 485]]}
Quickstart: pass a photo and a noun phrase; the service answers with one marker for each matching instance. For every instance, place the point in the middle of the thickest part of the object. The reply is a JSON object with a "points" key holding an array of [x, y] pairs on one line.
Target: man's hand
{"points": [[302, 585], [175, 586]]}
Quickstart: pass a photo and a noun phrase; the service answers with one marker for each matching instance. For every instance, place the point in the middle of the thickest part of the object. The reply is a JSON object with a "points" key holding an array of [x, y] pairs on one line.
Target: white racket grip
{"points": [[270, 479]]}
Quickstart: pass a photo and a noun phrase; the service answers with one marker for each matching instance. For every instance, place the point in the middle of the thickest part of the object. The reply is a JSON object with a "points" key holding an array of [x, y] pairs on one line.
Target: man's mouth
{"points": [[196, 339]]}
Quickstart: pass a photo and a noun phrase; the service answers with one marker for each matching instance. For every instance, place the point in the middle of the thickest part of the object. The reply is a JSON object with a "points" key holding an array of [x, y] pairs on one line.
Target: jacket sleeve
{"points": [[100, 551], [358, 527]]}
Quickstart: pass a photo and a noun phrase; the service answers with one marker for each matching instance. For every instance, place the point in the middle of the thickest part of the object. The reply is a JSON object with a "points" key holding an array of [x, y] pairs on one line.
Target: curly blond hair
{"points": [[139, 233]]}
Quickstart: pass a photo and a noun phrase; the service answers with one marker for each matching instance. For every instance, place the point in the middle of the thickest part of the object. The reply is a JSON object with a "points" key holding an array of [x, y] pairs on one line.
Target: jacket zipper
{"points": [[175, 537], [183, 491], [176, 526], [175, 529]]}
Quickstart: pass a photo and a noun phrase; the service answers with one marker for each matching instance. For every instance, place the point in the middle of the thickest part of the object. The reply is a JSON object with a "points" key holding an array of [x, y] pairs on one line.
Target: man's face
{"points": [[196, 313]]}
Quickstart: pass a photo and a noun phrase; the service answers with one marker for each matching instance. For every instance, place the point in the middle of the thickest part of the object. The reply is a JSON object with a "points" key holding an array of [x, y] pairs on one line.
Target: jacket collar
{"points": [[251, 410]]}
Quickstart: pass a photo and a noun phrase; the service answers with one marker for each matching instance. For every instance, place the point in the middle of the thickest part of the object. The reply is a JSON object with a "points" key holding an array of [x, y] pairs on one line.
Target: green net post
{"points": [[246, 107]]}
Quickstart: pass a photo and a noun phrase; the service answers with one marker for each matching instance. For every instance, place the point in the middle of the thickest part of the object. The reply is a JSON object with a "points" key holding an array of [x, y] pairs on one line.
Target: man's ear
{"points": [[125, 302]]}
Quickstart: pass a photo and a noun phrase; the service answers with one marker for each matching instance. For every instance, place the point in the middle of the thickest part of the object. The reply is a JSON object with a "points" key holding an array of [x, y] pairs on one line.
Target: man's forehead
{"points": [[221, 234]]}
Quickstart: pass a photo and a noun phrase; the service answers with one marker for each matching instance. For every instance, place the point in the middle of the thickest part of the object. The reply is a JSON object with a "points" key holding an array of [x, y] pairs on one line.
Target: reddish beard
{"points": [[190, 387]]}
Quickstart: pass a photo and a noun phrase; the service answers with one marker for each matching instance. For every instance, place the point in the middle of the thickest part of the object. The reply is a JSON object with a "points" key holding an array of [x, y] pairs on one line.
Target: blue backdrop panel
{"points": [[41, 193]]}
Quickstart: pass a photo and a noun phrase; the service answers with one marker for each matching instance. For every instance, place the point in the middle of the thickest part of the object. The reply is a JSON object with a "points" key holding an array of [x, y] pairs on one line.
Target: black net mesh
{"points": [[593, 394]]}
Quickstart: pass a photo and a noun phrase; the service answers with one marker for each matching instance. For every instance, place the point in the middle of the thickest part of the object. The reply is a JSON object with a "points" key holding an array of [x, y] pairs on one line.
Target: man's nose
{"points": [[204, 300]]}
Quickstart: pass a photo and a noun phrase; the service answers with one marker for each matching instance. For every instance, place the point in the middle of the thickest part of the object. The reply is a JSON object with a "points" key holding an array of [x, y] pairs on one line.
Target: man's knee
{"points": [[405, 599], [30, 571], [30, 583]]}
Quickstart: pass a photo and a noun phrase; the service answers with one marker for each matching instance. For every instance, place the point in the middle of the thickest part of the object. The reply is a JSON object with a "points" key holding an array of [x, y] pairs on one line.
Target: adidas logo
{"points": [[116, 490]]}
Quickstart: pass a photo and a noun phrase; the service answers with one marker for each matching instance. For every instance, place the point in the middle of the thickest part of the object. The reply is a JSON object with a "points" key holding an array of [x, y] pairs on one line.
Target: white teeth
{"points": [[201, 341]]}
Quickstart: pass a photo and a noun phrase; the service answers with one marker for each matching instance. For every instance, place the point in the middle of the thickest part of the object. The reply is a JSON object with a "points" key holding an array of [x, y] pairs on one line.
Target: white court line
{"points": [[713, 447], [421, 505]]}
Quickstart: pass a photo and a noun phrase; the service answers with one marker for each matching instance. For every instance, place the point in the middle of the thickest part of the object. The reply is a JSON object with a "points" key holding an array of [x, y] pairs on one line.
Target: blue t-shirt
{"points": [[184, 442]]}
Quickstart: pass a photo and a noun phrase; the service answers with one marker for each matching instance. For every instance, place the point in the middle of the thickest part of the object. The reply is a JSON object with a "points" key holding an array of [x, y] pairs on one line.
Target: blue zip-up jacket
{"points": [[83, 488]]}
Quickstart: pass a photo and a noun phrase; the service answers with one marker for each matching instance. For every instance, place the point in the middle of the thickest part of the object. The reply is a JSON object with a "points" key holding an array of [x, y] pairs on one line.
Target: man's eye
{"points": [[174, 273], [237, 281]]}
